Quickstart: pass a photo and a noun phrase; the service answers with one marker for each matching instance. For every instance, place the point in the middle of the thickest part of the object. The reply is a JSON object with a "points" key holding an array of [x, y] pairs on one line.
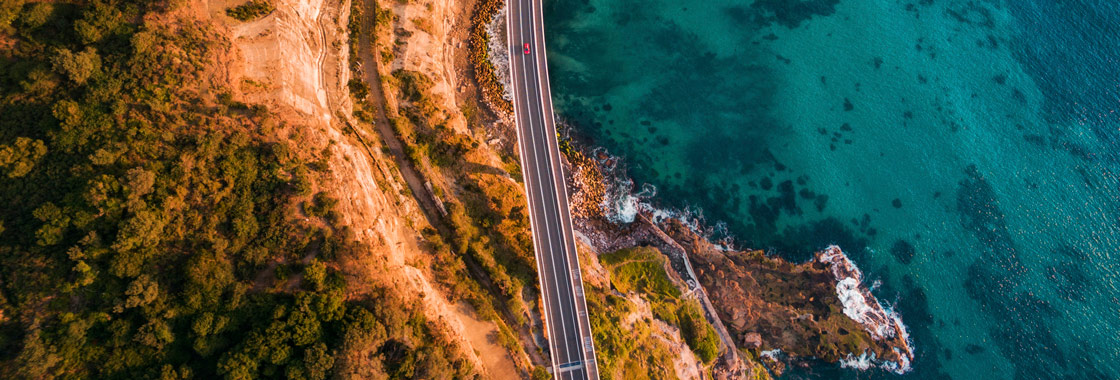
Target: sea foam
{"points": [[861, 306], [621, 204]]}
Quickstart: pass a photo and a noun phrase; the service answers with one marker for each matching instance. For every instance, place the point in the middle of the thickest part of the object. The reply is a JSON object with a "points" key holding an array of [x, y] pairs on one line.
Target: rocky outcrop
{"points": [[779, 311], [818, 309], [861, 306]]}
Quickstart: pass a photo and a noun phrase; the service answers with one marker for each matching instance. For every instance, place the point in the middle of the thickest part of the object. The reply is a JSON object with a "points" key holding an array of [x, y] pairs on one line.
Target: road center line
{"points": [[552, 180], [522, 144], [547, 232]]}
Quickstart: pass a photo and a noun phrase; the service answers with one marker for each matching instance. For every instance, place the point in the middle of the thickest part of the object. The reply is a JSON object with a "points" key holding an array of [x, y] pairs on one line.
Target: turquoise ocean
{"points": [[964, 153]]}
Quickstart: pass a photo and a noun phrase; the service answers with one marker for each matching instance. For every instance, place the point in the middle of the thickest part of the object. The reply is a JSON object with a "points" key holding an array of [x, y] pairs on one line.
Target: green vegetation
{"points": [[700, 336], [540, 373], [642, 270], [484, 255], [462, 244], [149, 222], [481, 248], [485, 210], [625, 353], [359, 89], [250, 11]]}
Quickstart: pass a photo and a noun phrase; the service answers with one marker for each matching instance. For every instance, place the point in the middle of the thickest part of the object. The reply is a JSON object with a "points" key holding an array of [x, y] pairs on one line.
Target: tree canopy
{"points": [[149, 225]]}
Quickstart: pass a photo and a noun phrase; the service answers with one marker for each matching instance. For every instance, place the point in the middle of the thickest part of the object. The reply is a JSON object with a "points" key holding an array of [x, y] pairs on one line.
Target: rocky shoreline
{"points": [[779, 312], [861, 306]]}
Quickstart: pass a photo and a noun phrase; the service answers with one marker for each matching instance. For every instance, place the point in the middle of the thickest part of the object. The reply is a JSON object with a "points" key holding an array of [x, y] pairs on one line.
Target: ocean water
{"points": [[964, 153]]}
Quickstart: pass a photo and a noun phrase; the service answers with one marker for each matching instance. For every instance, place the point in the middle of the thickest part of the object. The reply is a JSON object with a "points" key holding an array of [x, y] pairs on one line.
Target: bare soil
{"points": [[294, 60]]}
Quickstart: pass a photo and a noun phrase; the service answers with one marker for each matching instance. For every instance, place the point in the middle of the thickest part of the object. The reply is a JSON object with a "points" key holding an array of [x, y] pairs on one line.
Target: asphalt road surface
{"points": [[569, 332]]}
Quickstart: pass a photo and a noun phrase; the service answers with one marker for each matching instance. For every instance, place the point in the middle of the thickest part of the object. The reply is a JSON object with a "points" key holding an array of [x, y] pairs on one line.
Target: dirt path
{"points": [[496, 359], [377, 99]]}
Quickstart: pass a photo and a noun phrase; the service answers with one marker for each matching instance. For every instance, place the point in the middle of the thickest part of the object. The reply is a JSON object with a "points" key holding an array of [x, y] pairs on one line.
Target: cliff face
{"points": [[817, 309], [777, 311], [296, 60]]}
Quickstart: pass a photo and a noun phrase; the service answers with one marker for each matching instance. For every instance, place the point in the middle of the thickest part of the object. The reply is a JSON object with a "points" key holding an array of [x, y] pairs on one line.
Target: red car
{"points": [[526, 48]]}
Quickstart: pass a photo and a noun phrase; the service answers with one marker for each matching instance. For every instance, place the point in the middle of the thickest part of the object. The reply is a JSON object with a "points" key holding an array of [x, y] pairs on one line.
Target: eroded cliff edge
{"points": [[765, 308], [762, 309], [817, 309]]}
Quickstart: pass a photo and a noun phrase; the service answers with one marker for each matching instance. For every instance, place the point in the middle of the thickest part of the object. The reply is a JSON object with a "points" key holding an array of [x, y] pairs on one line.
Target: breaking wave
{"points": [[867, 360], [861, 306], [774, 354], [622, 204]]}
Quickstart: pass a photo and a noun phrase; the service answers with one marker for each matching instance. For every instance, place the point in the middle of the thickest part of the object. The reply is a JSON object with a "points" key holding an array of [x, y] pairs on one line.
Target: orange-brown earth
{"points": [[295, 60], [769, 303], [760, 303]]}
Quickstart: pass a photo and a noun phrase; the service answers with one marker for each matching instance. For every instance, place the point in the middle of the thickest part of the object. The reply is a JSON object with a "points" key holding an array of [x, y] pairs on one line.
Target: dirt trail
{"points": [[295, 61], [496, 360], [324, 73], [381, 122]]}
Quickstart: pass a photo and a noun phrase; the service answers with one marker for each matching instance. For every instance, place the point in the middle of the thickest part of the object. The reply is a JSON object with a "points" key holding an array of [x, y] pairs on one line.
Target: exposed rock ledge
{"points": [[818, 309], [778, 311]]}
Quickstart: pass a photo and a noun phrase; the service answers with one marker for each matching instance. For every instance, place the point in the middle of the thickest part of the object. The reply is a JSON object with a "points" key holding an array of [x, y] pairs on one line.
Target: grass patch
{"points": [[625, 353], [642, 270], [698, 333]]}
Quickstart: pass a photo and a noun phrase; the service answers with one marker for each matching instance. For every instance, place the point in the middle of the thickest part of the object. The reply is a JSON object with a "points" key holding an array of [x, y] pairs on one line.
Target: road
{"points": [[569, 332]]}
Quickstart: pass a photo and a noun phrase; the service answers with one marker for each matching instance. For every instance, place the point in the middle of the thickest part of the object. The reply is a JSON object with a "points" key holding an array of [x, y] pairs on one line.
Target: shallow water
{"points": [[963, 152]]}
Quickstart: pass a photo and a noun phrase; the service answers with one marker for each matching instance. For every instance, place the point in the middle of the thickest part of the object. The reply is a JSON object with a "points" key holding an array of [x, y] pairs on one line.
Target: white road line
{"points": [[522, 144], [548, 238], [566, 237], [547, 230]]}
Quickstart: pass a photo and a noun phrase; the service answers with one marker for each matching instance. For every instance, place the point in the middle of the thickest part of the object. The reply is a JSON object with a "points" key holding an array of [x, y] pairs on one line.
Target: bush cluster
{"points": [[642, 271], [484, 255], [250, 11], [148, 219], [489, 231]]}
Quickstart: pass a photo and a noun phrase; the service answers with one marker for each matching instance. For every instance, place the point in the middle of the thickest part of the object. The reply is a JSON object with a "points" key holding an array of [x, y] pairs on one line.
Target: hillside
{"points": [[169, 211], [314, 189]]}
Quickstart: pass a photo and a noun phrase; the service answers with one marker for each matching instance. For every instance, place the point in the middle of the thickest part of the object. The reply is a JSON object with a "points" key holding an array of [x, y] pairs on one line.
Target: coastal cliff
{"points": [[320, 189], [775, 311], [816, 309]]}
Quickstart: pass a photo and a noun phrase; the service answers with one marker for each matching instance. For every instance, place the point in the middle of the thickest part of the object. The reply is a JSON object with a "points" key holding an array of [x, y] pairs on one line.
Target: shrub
{"points": [[20, 158], [9, 10], [251, 10], [540, 373], [77, 66], [141, 212], [321, 205], [98, 21], [698, 334]]}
